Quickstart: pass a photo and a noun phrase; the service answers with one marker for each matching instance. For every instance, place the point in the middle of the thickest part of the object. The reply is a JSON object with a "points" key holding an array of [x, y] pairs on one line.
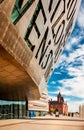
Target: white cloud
{"points": [[76, 71], [80, 19], [57, 73], [65, 60], [76, 85], [53, 82], [61, 62], [52, 97], [55, 92], [74, 105], [74, 40]]}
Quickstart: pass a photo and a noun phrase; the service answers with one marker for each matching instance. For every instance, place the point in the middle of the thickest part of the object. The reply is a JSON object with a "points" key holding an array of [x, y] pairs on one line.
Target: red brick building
{"points": [[58, 105]]}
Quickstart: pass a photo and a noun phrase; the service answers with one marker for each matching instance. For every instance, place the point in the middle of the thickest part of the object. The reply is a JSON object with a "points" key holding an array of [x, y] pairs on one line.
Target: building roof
{"points": [[55, 102]]}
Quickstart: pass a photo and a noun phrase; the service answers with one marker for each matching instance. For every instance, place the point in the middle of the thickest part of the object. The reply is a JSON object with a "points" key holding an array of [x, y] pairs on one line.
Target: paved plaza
{"points": [[43, 123]]}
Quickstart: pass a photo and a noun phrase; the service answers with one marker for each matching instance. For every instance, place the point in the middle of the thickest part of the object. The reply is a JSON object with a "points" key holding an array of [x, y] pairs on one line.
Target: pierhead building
{"points": [[58, 105]]}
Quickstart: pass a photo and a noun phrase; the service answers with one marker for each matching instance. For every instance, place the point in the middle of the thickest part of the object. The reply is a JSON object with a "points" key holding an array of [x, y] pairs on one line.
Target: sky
{"points": [[68, 76]]}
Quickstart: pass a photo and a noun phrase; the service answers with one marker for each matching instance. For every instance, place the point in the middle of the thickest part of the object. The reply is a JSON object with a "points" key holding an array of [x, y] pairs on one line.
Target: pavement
{"points": [[43, 123]]}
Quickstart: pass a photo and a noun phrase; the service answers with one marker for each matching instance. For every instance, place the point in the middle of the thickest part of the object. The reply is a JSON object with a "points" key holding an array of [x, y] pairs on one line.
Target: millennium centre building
{"points": [[33, 34]]}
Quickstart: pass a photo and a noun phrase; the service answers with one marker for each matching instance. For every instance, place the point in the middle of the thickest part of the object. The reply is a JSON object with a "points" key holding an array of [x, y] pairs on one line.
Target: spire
{"points": [[59, 94], [59, 97]]}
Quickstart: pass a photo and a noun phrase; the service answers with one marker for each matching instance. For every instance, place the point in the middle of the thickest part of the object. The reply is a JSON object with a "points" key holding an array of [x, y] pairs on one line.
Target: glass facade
{"points": [[17, 110], [13, 109], [19, 11]]}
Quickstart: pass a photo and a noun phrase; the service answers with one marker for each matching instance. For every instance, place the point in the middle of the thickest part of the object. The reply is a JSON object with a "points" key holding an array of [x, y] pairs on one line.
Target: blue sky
{"points": [[68, 76]]}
